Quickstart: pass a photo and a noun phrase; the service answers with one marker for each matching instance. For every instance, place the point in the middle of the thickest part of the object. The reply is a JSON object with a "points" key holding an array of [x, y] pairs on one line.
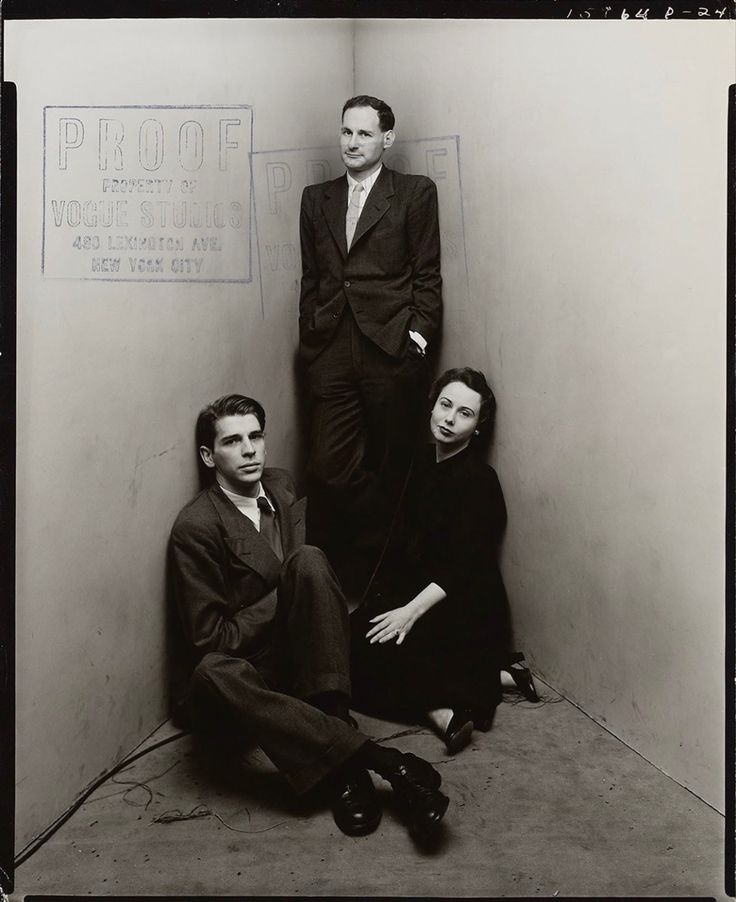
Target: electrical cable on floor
{"points": [[136, 784], [415, 731], [175, 815], [543, 701], [43, 837]]}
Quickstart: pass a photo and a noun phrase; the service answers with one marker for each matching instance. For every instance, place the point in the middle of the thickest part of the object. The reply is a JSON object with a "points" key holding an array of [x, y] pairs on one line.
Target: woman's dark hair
{"points": [[474, 380], [226, 406]]}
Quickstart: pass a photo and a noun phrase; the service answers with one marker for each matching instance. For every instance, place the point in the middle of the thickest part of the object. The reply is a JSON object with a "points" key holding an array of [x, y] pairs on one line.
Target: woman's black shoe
{"points": [[522, 676], [524, 682], [355, 807], [459, 731], [416, 783], [483, 720]]}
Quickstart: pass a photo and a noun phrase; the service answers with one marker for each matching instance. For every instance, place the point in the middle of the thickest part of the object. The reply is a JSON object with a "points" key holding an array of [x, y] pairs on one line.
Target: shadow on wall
{"points": [[178, 656], [302, 422]]}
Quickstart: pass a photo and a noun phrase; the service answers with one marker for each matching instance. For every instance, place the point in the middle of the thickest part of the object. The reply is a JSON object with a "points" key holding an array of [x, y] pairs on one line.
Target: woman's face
{"points": [[454, 418]]}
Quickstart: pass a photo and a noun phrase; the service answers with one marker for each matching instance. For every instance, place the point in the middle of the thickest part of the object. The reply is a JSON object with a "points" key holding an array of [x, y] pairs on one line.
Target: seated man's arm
{"points": [[211, 621]]}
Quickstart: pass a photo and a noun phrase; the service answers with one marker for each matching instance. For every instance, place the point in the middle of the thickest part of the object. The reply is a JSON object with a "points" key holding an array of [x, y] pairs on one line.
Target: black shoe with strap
{"points": [[521, 675], [459, 731], [483, 719], [523, 682]]}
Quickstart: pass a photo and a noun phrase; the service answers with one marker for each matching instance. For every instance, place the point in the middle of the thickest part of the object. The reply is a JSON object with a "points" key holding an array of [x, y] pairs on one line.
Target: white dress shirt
{"points": [[248, 506], [366, 183]]}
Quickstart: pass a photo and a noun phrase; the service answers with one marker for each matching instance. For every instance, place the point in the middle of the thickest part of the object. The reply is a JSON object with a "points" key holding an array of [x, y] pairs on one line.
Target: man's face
{"points": [[362, 142], [238, 454]]}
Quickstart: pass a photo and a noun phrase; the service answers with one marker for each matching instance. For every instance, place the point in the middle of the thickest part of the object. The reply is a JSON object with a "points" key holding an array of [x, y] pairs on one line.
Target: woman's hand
{"points": [[397, 623], [394, 624]]}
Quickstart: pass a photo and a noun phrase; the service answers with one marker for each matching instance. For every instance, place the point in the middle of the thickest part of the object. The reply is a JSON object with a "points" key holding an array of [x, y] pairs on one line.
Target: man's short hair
{"points": [[474, 380], [226, 406], [386, 118]]}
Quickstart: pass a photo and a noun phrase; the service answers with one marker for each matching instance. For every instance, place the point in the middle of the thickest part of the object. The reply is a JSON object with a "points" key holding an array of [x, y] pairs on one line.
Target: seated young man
{"points": [[266, 626]]}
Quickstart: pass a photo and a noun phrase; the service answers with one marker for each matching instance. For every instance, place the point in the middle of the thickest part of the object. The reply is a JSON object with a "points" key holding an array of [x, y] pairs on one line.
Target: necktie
{"points": [[269, 527], [353, 214]]}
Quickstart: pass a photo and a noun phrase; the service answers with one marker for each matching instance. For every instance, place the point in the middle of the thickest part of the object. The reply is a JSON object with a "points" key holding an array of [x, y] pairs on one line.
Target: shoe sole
{"points": [[461, 738], [359, 831]]}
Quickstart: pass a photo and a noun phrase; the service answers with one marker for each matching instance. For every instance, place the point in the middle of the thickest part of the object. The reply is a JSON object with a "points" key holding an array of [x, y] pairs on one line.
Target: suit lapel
{"points": [[290, 516], [244, 539], [335, 208], [375, 206]]}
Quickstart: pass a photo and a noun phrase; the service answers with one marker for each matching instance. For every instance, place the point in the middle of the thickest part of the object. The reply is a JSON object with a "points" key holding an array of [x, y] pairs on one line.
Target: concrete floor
{"points": [[546, 804]]}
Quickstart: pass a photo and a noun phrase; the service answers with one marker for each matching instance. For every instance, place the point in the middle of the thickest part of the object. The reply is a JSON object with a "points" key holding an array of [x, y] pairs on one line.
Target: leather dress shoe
{"points": [[355, 806], [459, 731], [417, 783]]}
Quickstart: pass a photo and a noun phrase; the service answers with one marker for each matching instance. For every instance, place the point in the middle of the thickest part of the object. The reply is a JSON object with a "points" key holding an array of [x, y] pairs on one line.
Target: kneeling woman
{"points": [[430, 636]]}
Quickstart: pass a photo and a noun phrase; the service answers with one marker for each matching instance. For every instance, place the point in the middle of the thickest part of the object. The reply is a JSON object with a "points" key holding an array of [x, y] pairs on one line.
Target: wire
{"points": [[136, 784], [413, 732], [528, 705], [43, 837], [171, 817]]}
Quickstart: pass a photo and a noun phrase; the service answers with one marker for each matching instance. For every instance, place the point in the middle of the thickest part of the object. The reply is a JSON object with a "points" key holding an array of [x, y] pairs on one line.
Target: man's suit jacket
{"points": [[225, 573], [391, 274]]}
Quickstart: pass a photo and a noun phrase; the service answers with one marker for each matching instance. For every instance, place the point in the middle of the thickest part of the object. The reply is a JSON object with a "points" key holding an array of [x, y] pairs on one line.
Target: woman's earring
{"points": [[476, 432]]}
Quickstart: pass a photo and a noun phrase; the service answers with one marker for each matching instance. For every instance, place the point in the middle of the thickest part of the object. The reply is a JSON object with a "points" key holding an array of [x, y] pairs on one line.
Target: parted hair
{"points": [[474, 380], [386, 118], [226, 406]]}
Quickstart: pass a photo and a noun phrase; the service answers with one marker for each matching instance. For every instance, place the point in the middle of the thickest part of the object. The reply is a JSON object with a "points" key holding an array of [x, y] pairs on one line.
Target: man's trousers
{"points": [[367, 409], [264, 696]]}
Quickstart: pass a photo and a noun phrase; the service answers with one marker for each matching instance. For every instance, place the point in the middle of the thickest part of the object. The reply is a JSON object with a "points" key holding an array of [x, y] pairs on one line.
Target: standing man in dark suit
{"points": [[266, 629], [370, 304]]}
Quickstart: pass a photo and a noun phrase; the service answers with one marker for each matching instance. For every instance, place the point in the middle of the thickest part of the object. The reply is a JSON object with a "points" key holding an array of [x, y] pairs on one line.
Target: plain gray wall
{"points": [[111, 376], [593, 161]]}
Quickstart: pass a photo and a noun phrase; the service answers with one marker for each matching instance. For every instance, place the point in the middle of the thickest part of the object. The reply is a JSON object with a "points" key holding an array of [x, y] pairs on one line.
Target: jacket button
{"points": [[346, 283]]}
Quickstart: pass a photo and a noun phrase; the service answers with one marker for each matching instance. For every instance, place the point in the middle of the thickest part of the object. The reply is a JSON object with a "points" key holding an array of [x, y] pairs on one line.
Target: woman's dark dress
{"points": [[448, 532]]}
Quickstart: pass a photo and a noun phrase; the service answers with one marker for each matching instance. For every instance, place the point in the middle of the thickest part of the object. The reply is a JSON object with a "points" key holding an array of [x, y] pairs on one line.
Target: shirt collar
{"points": [[366, 183], [244, 500]]}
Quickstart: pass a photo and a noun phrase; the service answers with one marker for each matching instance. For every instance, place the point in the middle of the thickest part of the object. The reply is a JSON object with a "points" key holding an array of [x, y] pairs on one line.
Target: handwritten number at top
{"points": [[703, 12]]}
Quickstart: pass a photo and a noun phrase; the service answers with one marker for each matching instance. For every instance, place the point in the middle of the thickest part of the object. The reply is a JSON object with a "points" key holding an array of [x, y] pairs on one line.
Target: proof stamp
{"points": [[147, 193]]}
